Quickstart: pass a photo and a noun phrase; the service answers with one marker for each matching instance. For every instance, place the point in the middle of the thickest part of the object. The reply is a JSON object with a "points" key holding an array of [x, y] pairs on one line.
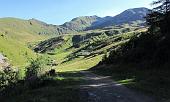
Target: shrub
{"points": [[52, 72], [35, 68], [8, 77]]}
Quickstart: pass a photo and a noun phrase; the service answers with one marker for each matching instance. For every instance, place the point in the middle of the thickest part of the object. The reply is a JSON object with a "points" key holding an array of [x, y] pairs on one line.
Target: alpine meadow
{"points": [[98, 56]]}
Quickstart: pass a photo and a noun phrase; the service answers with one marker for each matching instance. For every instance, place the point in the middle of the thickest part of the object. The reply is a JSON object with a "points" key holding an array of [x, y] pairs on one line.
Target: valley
{"points": [[43, 62]]}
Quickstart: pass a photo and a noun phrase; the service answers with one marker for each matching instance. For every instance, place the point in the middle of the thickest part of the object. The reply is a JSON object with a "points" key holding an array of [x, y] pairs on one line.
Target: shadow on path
{"points": [[103, 89]]}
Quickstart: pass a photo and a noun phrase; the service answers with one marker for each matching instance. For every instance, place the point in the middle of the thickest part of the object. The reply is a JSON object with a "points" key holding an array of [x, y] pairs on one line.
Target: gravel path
{"points": [[103, 89]]}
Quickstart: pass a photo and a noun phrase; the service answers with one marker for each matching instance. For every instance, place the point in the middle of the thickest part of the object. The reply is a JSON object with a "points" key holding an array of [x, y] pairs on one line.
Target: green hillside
{"points": [[121, 58], [85, 49], [15, 51], [16, 34], [81, 23]]}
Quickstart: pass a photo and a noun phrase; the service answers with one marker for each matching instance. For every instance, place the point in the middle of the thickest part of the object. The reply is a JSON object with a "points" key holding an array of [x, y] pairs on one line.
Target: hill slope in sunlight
{"points": [[16, 34]]}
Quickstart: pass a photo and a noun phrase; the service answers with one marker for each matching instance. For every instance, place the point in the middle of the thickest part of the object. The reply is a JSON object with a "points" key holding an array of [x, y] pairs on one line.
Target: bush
{"points": [[35, 70], [8, 77]]}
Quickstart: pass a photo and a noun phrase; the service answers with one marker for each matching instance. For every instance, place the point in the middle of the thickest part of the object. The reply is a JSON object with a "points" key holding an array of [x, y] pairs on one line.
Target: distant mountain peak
{"points": [[94, 22], [126, 16], [81, 23], [141, 10]]}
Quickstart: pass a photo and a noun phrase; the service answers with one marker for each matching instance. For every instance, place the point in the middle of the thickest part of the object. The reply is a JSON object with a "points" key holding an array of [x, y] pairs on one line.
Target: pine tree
{"points": [[159, 18], [164, 6]]}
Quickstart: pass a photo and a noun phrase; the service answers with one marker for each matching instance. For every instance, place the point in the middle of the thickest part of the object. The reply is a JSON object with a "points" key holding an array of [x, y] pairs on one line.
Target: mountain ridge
{"points": [[126, 16], [83, 23]]}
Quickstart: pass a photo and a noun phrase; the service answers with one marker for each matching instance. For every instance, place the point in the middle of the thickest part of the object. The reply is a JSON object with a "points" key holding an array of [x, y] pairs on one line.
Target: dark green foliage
{"points": [[125, 30], [48, 89], [8, 78], [105, 55], [112, 32], [164, 6], [159, 18], [82, 38], [48, 45], [33, 69], [36, 68], [51, 72], [34, 72], [145, 58], [147, 48], [151, 48]]}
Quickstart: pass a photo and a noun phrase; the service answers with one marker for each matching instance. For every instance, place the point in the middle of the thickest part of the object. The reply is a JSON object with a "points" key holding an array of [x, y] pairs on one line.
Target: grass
{"points": [[76, 64], [16, 34], [154, 83], [79, 64], [16, 52], [60, 88]]}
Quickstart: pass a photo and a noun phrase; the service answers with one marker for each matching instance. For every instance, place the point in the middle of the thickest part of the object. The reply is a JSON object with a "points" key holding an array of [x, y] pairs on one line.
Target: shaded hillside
{"points": [[48, 45], [143, 62]]}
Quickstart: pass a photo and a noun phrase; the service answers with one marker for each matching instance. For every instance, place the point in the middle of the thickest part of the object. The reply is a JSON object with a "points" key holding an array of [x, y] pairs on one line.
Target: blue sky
{"points": [[60, 11]]}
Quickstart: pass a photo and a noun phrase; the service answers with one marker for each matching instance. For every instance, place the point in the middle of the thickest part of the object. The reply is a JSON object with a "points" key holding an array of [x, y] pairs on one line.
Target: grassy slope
{"points": [[143, 76], [16, 52], [62, 87], [61, 53], [15, 35], [77, 63]]}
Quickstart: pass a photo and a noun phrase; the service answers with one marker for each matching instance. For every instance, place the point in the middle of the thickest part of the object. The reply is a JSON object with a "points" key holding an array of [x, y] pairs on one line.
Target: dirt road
{"points": [[103, 89]]}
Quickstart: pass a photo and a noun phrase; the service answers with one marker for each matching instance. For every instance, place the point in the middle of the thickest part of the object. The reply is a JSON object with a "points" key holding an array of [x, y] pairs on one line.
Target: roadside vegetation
{"points": [[45, 60], [142, 63], [39, 84]]}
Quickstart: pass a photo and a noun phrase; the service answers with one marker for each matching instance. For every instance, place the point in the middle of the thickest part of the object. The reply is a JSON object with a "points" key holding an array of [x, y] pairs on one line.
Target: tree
{"points": [[105, 55], [153, 20], [164, 6], [159, 18]]}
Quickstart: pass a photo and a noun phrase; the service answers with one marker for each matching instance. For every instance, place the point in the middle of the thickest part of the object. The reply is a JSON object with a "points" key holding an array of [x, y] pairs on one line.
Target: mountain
{"points": [[21, 33], [81, 23], [128, 16], [131, 15], [51, 29], [29, 28], [95, 22], [16, 35]]}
